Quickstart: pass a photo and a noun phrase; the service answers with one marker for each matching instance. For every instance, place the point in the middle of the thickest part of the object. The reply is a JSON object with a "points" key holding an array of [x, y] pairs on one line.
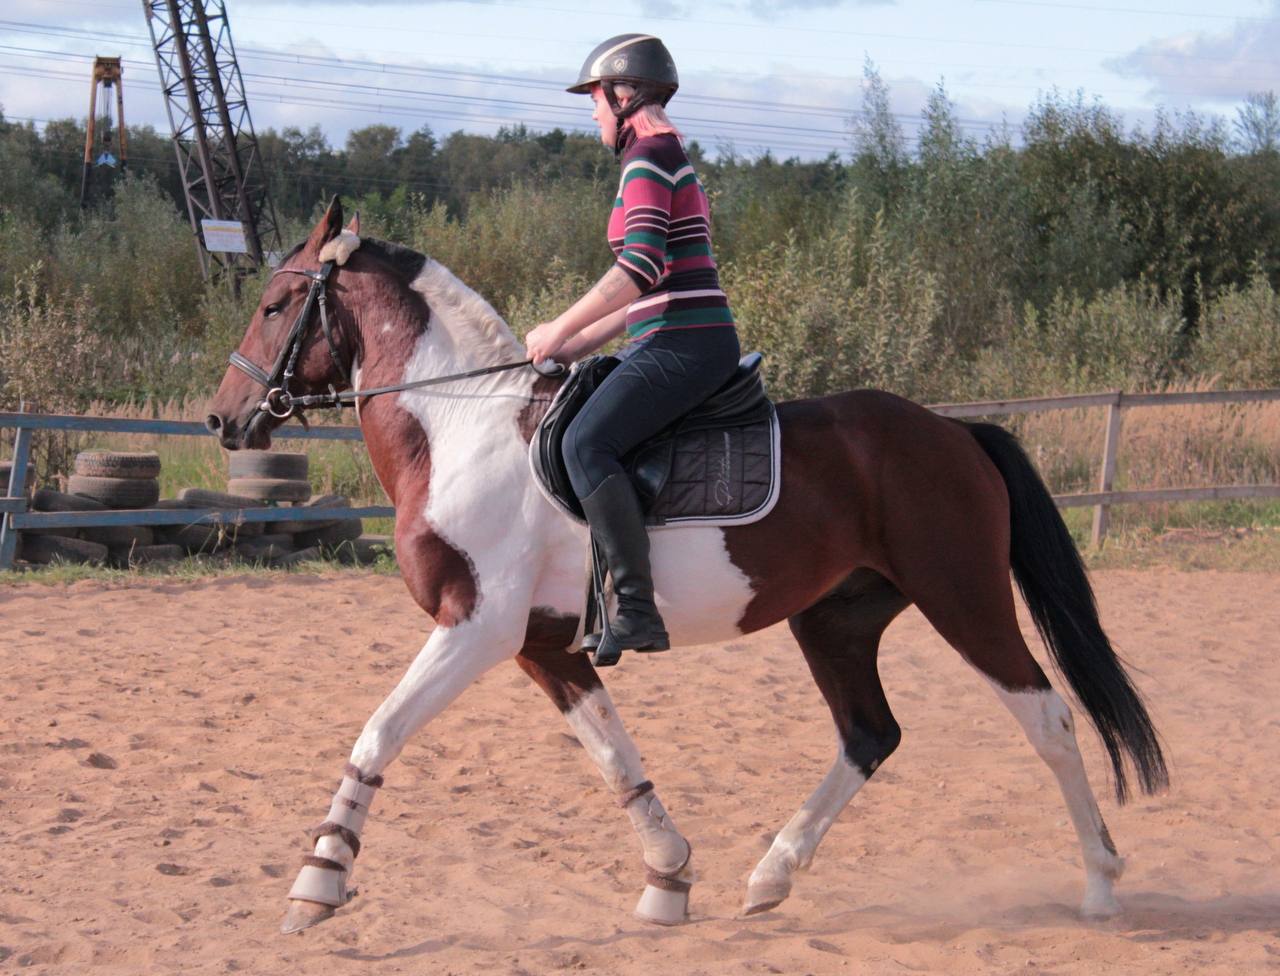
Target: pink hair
{"points": [[652, 120], [649, 120]]}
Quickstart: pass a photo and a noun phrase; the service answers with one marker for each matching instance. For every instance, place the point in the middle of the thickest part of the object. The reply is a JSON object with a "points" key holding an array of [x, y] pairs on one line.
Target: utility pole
{"points": [[107, 73], [222, 175]]}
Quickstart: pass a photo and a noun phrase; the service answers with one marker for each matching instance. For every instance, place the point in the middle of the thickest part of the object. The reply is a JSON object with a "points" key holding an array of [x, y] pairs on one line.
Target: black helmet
{"points": [[639, 59]]}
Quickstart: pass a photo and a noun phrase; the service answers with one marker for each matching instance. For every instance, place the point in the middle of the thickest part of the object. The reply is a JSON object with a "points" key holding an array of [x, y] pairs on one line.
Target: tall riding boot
{"points": [[617, 523]]}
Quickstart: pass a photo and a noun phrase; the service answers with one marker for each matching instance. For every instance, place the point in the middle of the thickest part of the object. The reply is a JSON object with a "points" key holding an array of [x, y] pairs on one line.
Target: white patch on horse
{"points": [[700, 593], [340, 248], [482, 499]]}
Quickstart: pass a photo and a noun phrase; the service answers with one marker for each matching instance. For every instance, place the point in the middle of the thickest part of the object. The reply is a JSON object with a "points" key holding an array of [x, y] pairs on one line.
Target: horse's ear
{"points": [[354, 225], [328, 227]]}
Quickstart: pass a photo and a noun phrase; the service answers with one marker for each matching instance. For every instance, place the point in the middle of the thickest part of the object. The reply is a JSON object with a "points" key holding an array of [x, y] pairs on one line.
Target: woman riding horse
{"points": [[664, 291]]}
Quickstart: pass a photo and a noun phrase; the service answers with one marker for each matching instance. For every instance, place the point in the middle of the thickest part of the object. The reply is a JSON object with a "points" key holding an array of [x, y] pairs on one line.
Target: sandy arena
{"points": [[166, 744]]}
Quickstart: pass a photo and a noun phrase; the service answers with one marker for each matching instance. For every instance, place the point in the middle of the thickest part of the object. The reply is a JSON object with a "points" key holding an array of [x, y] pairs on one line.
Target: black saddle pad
{"points": [[718, 463]]}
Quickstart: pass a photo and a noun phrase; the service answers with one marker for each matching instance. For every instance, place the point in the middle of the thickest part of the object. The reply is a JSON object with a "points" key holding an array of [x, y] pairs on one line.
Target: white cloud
{"points": [[1222, 66]]}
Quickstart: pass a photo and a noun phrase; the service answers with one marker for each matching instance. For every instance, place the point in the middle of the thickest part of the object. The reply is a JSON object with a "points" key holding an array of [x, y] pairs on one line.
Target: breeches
{"points": [[661, 378]]}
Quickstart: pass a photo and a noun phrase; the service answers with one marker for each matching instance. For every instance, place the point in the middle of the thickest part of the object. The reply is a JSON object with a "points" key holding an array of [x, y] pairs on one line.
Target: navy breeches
{"points": [[661, 378]]}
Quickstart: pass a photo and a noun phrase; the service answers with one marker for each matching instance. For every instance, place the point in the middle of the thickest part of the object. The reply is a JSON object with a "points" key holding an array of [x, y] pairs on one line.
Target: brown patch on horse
{"points": [[806, 545], [566, 676], [544, 389], [440, 577]]}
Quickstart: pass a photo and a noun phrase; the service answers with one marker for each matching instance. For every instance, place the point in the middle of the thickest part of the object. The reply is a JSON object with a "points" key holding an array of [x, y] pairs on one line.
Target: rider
{"points": [[664, 291]]}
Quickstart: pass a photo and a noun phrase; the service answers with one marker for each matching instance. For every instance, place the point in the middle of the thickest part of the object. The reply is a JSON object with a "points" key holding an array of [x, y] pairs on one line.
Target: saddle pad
{"points": [[697, 471], [717, 476]]}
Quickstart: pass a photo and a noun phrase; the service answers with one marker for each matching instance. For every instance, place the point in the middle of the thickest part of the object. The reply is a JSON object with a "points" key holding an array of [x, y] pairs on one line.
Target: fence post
{"points": [[1102, 512], [17, 489]]}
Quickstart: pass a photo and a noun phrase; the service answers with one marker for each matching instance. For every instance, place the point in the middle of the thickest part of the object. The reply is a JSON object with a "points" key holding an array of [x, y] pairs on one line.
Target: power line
{"points": [[1127, 10], [720, 134], [488, 78]]}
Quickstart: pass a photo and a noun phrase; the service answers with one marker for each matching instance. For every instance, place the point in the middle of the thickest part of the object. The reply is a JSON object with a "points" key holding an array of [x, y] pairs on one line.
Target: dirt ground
{"points": [[163, 746]]}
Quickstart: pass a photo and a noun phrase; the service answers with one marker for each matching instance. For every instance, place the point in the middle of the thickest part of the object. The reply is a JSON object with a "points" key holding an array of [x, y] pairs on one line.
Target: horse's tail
{"points": [[1053, 582]]}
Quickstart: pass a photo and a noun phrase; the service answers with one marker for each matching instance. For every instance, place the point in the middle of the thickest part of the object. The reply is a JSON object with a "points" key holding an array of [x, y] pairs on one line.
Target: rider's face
{"points": [[603, 116]]}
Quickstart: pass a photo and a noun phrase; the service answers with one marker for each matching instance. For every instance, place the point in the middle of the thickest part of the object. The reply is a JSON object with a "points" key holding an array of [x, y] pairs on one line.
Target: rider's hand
{"points": [[544, 341]]}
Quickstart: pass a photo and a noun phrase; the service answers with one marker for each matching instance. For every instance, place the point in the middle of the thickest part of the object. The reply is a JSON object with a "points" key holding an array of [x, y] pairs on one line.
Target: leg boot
{"points": [[613, 511]]}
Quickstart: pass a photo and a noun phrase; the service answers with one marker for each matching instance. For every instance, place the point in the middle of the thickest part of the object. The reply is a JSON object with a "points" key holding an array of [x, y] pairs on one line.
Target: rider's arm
{"points": [[647, 191], [593, 336]]}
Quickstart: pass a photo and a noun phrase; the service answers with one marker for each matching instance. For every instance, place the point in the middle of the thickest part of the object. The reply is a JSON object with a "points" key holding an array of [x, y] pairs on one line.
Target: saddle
{"points": [[717, 465]]}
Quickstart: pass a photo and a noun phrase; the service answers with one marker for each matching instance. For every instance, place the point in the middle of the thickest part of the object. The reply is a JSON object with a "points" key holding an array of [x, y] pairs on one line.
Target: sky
{"points": [[756, 76]]}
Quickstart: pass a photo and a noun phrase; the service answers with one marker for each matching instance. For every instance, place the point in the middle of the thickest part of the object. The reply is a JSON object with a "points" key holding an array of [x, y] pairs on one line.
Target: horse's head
{"points": [[300, 340]]}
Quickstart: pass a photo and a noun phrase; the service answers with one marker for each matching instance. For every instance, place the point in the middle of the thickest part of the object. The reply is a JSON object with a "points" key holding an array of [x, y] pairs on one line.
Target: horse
{"points": [[883, 504]]}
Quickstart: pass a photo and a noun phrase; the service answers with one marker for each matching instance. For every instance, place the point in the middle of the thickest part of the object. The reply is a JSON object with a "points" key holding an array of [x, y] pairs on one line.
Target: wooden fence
{"points": [[13, 509], [1116, 403]]}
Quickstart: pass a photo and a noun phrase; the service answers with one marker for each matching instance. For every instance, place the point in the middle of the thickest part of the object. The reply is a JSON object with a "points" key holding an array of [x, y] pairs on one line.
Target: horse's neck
{"points": [[464, 331], [466, 421]]}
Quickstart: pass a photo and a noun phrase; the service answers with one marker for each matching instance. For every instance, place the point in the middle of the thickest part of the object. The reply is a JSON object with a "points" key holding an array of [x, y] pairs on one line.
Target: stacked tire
{"points": [[269, 476], [102, 480], [121, 480]]}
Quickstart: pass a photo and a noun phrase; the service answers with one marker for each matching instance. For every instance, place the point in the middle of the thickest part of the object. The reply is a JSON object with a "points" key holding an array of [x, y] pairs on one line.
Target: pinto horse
{"points": [[883, 505]]}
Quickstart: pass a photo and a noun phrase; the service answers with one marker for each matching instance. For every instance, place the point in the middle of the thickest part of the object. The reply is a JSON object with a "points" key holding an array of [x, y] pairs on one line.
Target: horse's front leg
{"points": [[452, 659], [571, 682]]}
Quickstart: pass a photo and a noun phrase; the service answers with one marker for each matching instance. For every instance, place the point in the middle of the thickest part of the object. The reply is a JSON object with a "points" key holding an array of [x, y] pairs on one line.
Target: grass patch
{"points": [[192, 568]]}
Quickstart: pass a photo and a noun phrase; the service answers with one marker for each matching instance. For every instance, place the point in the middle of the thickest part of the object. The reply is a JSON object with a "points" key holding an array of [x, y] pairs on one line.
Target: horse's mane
{"points": [[452, 301], [405, 261]]}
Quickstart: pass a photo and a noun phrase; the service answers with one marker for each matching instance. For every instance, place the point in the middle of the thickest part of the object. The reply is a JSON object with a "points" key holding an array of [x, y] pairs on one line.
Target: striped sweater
{"points": [[660, 231]]}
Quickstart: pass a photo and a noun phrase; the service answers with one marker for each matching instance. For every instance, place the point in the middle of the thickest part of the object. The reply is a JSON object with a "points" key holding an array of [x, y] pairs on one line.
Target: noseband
{"points": [[279, 402]]}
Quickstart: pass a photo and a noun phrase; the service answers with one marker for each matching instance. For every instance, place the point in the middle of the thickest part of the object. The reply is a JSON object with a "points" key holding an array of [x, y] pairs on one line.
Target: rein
{"points": [[280, 403]]}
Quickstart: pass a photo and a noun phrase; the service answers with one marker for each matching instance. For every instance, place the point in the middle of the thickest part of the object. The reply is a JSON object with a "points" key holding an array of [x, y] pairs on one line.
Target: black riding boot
{"points": [[617, 524]]}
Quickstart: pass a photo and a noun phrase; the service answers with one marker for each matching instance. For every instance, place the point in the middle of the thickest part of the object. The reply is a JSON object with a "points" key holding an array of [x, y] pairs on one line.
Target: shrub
{"points": [[1239, 336]]}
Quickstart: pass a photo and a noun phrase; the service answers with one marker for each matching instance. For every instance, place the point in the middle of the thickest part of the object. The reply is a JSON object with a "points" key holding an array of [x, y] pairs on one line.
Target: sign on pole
{"points": [[224, 235]]}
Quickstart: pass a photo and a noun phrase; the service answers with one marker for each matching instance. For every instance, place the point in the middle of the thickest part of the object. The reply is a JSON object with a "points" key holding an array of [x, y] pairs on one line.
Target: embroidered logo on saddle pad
{"points": [[717, 465]]}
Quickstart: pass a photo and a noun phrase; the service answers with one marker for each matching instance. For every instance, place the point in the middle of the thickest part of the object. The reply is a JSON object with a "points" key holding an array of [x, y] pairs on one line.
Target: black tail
{"points": [[1052, 579]]}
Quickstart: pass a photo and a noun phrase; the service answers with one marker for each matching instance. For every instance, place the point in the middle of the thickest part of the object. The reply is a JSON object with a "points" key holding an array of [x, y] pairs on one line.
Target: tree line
{"points": [[1071, 253]]}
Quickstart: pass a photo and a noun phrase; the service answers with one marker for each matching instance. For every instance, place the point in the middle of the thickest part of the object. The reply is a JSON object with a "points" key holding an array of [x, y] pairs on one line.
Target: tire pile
{"points": [[120, 480]]}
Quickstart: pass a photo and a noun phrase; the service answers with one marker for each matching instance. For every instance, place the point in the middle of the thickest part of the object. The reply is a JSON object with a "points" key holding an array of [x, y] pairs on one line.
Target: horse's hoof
{"points": [[661, 907], [1100, 906], [304, 914], [765, 895]]}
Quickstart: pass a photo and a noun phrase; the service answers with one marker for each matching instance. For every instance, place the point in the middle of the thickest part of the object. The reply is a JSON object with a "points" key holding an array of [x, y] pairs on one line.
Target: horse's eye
{"points": [[273, 311]]}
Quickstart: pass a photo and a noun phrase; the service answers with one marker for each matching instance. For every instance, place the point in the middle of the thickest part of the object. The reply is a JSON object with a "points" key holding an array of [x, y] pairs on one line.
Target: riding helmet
{"points": [[639, 60]]}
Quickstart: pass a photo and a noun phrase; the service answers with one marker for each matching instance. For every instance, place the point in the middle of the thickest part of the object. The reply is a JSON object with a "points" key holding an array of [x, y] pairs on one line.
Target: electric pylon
{"points": [[213, 135]]}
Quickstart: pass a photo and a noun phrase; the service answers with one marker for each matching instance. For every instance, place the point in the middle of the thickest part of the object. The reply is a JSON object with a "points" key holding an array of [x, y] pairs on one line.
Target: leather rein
{"points": [[282, 404]]}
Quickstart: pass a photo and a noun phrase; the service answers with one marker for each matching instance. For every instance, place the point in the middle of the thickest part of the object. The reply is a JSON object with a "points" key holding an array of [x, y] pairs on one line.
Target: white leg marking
{"points": [[1047, 721], [452, 659], [793, 849], [596, 723]]}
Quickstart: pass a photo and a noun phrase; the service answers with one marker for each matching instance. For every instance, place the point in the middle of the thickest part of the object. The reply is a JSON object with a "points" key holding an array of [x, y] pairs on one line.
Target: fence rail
{"points": [[15, 516], [1116, 403]]}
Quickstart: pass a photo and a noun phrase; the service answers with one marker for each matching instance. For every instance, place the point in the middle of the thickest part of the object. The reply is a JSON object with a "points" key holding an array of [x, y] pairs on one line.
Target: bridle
{"points": [[279, 402], [282, 404]]}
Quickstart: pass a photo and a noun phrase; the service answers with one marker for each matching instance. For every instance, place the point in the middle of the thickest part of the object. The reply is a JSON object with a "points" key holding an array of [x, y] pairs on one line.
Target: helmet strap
{"points": [[621, 113]]}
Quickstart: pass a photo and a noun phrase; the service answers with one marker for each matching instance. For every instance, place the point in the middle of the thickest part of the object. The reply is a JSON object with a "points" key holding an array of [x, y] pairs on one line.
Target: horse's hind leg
{"points": [[973, 609], [839, 636], [571, 682]]}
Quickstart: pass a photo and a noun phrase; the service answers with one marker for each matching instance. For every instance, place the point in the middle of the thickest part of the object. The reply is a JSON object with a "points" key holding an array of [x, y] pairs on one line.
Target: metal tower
{"points": [[106, 72], [212, 134]]}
